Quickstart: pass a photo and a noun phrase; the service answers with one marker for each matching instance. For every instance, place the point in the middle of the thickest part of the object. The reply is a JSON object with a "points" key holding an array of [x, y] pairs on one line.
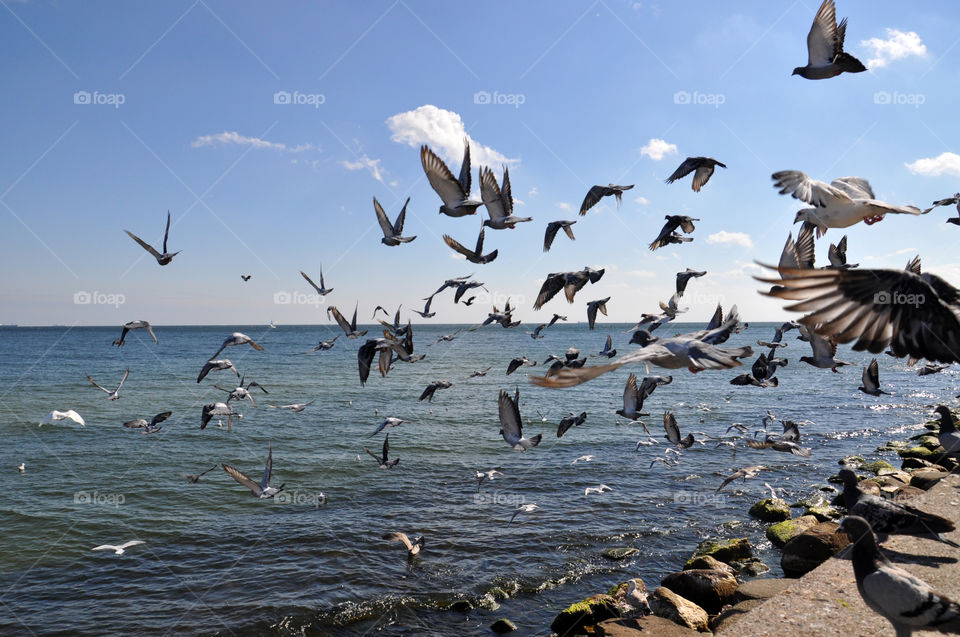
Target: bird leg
{"points": [[872, 220]]}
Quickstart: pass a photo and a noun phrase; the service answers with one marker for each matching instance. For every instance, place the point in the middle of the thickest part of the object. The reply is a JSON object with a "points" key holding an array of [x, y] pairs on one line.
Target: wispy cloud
{"points": [[943, 164], [898, 45], [736, 238], [563, 205], [365, 162], [444, 132], [235, 138], [643, 201], [657, 149], [642, 274]]}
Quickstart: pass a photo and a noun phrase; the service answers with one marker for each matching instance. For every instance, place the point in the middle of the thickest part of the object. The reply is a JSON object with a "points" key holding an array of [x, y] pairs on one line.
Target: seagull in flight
{"points": [[321, 289], [601, 489], [511, 425], [111, 395], [194, 478], [746, 472], [432, 388], [63, 415], [263, 490], [596, 193], [324, 345], [586, 458], [295, 407], [454, 192], [382, 459], [118, 549], [218, 410], [486, 475], [392, 231], [704, 167], [236, 339], [825, 55], [552, 228], [162, 258], [412, 547], [148, 427], [523, 508], [241, 392], [350, 329], [217, 365], [390, 421], [135, 325]]}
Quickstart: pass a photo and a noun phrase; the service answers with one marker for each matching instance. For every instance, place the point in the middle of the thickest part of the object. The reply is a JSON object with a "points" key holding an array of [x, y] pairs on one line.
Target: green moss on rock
{"points": [[782, 532]]}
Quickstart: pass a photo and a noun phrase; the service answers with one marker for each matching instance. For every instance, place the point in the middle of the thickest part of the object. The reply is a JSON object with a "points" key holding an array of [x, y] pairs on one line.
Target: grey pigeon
{"points": [[454, 192], [392, 231], [511, 425], [597, 193], [552, 228], [163, 258], [825, 55], [704, 167], [135, 325]]}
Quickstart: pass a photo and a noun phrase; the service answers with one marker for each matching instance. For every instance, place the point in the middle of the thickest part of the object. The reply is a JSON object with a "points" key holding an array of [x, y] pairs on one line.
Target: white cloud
{"points": [[736, 238], [563, 205], [233, 137], [373, 165], [642, 274], [898, 45], [533, 192], [643, 201], [444, 132], [943, 164], [657, 149]]}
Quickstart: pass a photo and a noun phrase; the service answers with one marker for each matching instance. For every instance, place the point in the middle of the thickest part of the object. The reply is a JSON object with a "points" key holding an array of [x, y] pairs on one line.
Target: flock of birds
{"points": [[843, 304]]}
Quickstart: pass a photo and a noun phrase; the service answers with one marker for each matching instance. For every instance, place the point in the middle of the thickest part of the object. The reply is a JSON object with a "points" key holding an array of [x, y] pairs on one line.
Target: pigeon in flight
{"points": [[217, 365], [263, 490], [824, 351], [704, 167], [511, 426], [324, 345], [787, 442], [350, 329], [135, 325], [236, 339], [595, 194], [141, 423], [392, 231], [518, 362], [454, 192], [684, 277], [825, 55], [432, 388], [930, 368], [499, 202], [906, 601], [321, 289], [111, 395], [383, 459], [573, 420], [871, 380], [746, 472], [162, 258], [592, 308], [246, 277], [552, 228], [473, 256], [632, 399], [667, 234], [673, 432], [569, 282], [837, 255], [607, 351]]}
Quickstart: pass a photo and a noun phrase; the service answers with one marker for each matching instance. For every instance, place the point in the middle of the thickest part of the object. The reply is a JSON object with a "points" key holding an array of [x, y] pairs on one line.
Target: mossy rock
{"points": [[503, 625], [589, 612], [824, 512], [930, 442], [462, 606], [876, 466], [770, 510], [893, 445], [852, 460], [619, 553], [782, 532], [751, 567], [919, 452], [498, 593], [724, 550], [708, 562]]}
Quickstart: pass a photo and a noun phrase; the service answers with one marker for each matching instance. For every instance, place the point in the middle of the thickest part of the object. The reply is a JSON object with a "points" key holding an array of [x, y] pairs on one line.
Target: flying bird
{"points": [[111, 395], [601, 489], [218, 410], [321, 289], [704, 167], [523, 508], [236, 339], [454, 192], [839, 204], [350, 329], [118, 549], [518, 362], [263, 490], [473, 256], [195, 477], [824, 351], [412, 547], [871, 380], [499, 202], [931, 368], [592, 308], [383, 459], [217, 365], [486, 475], [673, 432], [607, 350], [62, 415], [906, 601], [240, 392], [569, 282], [667, 234], [552, 228], [162, 258], [135, 325], [392, 231], [632, 400], [787, 442], [573, 420], [596, 193], [141, 423], [432, 388], [825, 55], [324, 345], [511, 426], [245, 277], [746, 472], [295, 407], [684, 277]]}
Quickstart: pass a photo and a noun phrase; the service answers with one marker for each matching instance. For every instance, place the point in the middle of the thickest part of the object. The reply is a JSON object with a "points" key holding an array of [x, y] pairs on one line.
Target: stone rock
{"points": [[852, 461], [930, 442], [906, 493], [770, 510], [589, 612], [619, 553], [918, 452], [498, 593], [750, 567], [503, 625], [706, 588], [916, 463], [893, 445], [824, 512], [651, 625], [948, 462], [811, 548], [631, 597], [487, 602], [926, 478], [782, 532], [732, 613], [724, 550], [667, 604], [875, 466], [461, 606], [828, 489], [710, 563], [763, 588]]}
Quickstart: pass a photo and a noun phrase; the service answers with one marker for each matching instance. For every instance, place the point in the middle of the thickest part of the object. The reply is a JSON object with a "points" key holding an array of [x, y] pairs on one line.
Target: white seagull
{"points": [[63, 415], [118, 550], [111, 395]]}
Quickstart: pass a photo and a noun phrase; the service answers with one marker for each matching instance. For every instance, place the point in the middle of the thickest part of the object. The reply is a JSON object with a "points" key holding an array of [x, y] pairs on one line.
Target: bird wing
{"points": [[401, 537], [401, 218], [822, 38], [442, 181], [702, 176], [906, 600], [510, 423], [98, 386], [385, 225], [737, 474], [573, 283], [131, 543], [242, 479], [105, 547], [74, 416], [267, 470], [811, 191], [365, 359], [149, 329], [871, 375], [553, 284], [689, 165], [855, 187], [848, 305], [491, 195], [665, 232], [160, 417], [386, 448], [338, 317], [458, 247], [670, 426], [568, 228], [465, 177], [166, 233], [310, 281], [549, 235], [595, 194], [123, 380], [146, 246], [592, 314]]}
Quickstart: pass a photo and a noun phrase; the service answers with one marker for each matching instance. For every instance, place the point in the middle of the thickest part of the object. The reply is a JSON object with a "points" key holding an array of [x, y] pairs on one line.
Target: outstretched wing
{"points": [[146, 246], [242, 479], [385, 224]]}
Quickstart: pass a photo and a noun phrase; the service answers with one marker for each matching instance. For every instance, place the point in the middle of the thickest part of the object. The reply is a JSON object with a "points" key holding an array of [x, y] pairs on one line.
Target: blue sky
{"points": [[267, 189]]}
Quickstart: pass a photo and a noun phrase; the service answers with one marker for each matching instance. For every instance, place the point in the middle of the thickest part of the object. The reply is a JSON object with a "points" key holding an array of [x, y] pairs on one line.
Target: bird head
{"points": [[801, 216], [642, 338], [797, 71]]}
